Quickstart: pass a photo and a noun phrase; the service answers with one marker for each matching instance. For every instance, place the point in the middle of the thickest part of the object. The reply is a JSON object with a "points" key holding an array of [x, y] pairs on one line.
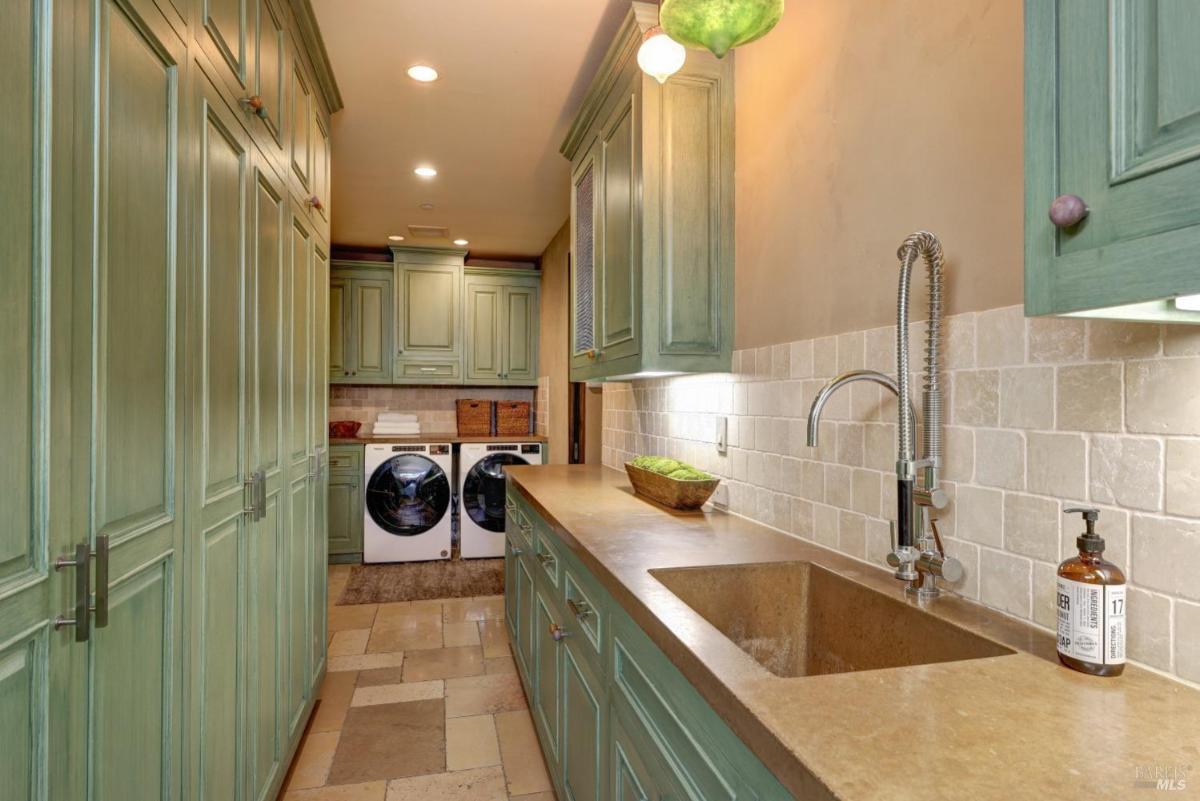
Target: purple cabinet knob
{"points": [[1068, 210]]}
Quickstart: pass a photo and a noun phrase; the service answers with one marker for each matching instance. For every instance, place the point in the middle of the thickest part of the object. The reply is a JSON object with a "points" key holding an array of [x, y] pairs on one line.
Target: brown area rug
{"points": [[420, 581]]}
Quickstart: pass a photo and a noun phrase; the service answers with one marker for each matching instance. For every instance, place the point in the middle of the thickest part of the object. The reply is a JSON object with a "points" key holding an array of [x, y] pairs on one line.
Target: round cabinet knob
{"points": [[255, 104], [316, 203], [1068, 210], [558, 633]]}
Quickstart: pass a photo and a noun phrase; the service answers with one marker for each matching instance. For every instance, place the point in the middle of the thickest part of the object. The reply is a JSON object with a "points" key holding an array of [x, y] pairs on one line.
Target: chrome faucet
{"points": [[917, 555]]}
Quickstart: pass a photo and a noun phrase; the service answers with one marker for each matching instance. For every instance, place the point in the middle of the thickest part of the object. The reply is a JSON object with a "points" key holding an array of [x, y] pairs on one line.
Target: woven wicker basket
{"points": [[512, 418], [474, 418], [684, 495]]}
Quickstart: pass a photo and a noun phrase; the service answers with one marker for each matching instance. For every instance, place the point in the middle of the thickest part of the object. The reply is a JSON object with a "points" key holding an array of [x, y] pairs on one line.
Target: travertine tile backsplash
{"points": [[434, 406], [1042, 414]]}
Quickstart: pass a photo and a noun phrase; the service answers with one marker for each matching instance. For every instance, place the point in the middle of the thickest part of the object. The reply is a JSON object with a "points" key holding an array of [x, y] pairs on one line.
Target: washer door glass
{"points": [[483, 490], [408, 494]]}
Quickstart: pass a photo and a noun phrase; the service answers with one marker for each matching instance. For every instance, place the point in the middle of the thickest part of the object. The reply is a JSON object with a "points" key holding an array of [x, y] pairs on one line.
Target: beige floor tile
{"points": [[458, 634], [311, 766], [471, 743], [489, 607], [366, 661], [406, 634], [443, 663], [349, 642], [484, 695], [499, 664], [481, 784], [370, 791], [394, 614], [358, 616], [391, 741], [385, 675], [524, 766], [493, 634], [336, 691], [547, 796], [398, 693]]}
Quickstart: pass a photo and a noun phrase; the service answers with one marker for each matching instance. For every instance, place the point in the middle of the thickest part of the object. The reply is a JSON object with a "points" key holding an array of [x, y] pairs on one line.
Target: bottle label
{"points": [[1091, 622]]}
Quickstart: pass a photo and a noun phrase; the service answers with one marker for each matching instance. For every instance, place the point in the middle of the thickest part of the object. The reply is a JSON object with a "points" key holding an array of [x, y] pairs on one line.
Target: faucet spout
{"points": [[818, 404]]}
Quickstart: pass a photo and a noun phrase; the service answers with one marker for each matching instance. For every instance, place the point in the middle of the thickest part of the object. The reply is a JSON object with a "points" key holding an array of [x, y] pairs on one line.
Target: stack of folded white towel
{"points": [[389, 424]]}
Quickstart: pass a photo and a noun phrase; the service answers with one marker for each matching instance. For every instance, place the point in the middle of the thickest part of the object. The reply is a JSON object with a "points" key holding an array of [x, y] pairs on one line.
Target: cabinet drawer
{"points": [[346, 460], [429, 370], [583, 605], [695, 765], [545, 553], [518, 522]]}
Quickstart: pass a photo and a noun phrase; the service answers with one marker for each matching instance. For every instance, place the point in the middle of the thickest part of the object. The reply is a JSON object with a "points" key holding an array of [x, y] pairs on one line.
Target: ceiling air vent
{"points": [[429, 232]]}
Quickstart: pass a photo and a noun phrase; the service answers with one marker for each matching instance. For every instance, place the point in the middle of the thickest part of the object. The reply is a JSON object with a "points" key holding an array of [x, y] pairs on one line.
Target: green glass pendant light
{"points": [[719, 25]]}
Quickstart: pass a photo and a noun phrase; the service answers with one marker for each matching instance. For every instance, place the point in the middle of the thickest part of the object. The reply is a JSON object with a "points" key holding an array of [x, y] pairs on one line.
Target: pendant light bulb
{"points": [[660, 55]]}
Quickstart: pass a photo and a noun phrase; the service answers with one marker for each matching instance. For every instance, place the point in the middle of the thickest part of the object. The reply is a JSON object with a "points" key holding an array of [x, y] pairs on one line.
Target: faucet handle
{"points": [[902, 559], [936, 497]]}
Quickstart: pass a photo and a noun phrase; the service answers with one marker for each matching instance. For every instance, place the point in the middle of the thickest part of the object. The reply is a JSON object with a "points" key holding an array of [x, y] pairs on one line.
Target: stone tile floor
{"points": [[421, 702]]}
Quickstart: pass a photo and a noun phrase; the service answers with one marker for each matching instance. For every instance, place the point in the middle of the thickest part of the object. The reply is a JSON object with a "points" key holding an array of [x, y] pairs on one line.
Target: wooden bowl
{"points": [[672, 492]]}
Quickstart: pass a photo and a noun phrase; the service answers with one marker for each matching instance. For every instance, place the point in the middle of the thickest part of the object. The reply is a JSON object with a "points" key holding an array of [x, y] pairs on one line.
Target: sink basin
{"points": [[799, 619]]}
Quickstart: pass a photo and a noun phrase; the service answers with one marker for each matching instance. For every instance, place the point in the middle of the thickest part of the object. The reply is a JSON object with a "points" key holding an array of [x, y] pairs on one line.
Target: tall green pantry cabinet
{"points": [[161, 577]]}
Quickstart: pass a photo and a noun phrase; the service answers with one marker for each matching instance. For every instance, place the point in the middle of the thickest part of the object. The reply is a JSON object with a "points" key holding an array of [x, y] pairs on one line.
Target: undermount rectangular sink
{"points": [[799, 619]]}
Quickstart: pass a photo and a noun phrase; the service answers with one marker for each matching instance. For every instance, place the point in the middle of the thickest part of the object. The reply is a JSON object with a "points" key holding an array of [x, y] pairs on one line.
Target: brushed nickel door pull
{"points": [[100, 609], [81, 621], [262, 494], [579, 609]]}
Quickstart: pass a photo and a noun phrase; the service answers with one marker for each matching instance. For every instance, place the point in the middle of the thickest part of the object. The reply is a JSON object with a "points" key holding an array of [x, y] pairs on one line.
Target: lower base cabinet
{"points": [[615, 719]]}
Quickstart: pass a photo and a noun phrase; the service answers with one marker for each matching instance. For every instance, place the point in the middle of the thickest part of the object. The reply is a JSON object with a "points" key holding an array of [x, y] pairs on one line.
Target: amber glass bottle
{"points": [[1091, 606]]}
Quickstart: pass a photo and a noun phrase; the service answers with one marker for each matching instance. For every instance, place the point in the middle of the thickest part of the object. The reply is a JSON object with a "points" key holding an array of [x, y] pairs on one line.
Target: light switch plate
{"points": [[722, 434]]}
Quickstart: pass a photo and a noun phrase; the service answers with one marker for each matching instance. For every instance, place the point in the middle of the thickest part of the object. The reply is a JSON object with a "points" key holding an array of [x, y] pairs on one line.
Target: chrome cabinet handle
{"points": [[558, 633], [81, 621], [1068, 210], [428, 369], [580, 609], [514, 550], [250, 484], [100, 609]]}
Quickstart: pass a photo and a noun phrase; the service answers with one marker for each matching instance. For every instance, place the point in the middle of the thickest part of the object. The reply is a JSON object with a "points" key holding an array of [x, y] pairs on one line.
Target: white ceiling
{"points": [[513, 73]]}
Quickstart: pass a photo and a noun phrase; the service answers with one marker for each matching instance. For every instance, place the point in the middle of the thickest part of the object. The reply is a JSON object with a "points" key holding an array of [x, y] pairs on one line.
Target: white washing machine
{"points": [[408, 515], [481, 498]]}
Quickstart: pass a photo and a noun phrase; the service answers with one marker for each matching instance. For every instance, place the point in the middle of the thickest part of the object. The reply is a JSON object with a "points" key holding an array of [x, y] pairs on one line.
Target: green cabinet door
{"points": [[339, 333], [485, 330], [266, 543], [587, 189], [520, 334], [1112, 98], [525, 616], [345, 515], [547, 673], [301, 101], [620, 270], [583, 720], [125, 445], [371, 332], [225, 36], [43, 741], [270, 76], [631, 779]]}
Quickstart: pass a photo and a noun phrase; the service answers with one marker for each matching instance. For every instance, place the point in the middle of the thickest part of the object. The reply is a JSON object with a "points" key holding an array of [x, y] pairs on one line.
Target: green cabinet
{"points": [[652, 216], [502, 324], [615, 719], [429, 318], [360, 323], [345, 502], [1112, 117]]}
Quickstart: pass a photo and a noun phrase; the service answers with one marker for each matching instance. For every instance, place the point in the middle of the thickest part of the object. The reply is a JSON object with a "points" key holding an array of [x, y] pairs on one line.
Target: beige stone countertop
{"points": [[434, 436], [1010, 727]]}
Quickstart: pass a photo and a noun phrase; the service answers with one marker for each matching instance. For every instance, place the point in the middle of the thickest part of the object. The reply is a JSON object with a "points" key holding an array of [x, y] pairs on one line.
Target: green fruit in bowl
{"points": [[718, 25], [671, 468]]}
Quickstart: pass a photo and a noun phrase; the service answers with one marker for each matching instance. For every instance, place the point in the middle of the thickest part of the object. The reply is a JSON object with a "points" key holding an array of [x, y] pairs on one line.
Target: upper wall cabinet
{"points": [[360, 323], [501, 312], [1112, 158], [429, 331], [652, 215]]}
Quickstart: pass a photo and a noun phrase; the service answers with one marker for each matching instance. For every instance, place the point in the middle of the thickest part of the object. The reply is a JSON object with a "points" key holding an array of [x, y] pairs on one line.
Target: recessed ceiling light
{"points": [[425, 172], [423, 73], [461, 242], [396, 238], [426, 206]]}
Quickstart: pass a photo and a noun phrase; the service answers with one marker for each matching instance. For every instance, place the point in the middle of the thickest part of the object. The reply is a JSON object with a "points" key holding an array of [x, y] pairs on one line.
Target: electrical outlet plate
{"points": [[722, 434]]}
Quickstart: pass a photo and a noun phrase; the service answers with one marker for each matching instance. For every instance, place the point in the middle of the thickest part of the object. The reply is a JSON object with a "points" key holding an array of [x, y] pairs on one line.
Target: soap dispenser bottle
{"points": [[1091, 606]]}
